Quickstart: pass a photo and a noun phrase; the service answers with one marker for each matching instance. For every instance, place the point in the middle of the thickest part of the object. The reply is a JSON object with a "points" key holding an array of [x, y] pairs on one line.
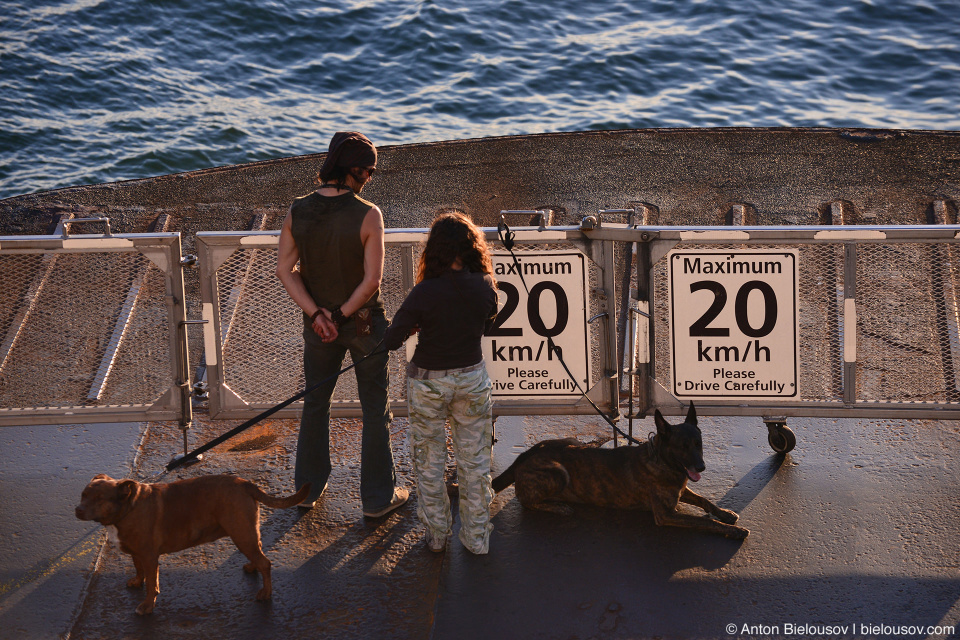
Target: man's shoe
{"points": [[311, 503], [399, 499]]}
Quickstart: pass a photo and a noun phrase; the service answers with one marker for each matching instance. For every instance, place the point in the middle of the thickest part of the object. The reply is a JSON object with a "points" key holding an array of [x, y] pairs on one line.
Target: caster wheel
{"points": [[780, 437]]}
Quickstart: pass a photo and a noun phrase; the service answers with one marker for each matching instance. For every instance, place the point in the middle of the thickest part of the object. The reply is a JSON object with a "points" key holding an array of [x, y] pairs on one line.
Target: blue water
{"points": [[96, 90]]}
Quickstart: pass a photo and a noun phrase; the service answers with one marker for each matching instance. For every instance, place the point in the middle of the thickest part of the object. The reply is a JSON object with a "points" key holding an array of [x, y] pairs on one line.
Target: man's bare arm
{"points": [[371, 235], [287, 258]]}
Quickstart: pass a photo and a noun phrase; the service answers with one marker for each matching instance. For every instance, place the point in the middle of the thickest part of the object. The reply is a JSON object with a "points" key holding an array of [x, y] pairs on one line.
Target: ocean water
{"points": [[96, 90]]}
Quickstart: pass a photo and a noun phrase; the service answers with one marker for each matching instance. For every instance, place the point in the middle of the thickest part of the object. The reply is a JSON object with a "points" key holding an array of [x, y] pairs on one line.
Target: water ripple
{"points": [[92, 91]]}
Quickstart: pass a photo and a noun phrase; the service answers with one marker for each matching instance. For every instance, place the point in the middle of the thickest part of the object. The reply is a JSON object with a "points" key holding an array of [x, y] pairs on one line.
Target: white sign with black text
{"points": [[519, 362], [733, 323]]}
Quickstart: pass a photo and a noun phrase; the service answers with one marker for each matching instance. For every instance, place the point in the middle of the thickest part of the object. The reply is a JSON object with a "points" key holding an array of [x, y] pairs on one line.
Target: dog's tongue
{"points": [[693, 475]]}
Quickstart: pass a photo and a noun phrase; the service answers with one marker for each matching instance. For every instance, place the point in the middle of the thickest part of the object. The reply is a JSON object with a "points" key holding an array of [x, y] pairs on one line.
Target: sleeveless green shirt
{"points": [[327, 233]]}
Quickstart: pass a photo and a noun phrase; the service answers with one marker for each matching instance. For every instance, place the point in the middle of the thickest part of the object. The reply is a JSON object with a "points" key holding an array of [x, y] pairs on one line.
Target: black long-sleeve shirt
{"points": [[453, 311]]}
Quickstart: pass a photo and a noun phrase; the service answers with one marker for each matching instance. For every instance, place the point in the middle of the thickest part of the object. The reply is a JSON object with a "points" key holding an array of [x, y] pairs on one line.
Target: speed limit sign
{"points": [[542, 299], [733, 323]]}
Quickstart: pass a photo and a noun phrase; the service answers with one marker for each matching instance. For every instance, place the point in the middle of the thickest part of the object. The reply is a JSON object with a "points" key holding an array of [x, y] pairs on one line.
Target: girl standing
{"points": [[452, 305]]}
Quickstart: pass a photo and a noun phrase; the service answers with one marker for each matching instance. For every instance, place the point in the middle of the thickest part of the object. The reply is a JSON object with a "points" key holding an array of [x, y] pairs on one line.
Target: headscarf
{"points": [[348, 149]]}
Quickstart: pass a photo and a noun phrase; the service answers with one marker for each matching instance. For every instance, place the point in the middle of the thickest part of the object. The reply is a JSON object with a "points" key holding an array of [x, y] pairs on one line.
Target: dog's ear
{"points": [[692, 414], [101, 476], [663, 427], [127, 490]]}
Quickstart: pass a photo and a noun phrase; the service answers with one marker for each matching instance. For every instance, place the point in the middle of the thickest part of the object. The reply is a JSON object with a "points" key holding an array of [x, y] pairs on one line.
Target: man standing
{"points": [[337, 238]]}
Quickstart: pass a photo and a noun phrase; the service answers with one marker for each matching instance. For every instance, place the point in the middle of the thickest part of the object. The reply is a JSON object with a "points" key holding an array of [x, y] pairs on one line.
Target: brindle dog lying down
{"points": [[652, 476]]}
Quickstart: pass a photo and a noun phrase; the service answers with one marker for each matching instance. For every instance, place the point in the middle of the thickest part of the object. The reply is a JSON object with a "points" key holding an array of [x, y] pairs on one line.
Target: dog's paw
{"points": [[738, 533], [725, 515], [135, 582], [551, 507], [145, 607], [264, 594]]}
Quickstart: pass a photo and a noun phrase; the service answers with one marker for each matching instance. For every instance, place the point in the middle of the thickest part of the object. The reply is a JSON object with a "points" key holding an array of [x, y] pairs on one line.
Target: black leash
{"points": [[507, 238], [176, 462]]}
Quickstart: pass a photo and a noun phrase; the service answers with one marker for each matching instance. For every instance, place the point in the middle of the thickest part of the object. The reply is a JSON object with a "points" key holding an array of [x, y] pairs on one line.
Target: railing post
{"points": [[644, 368], [179, 345], [943, 274], [841, 322], [625, 371], [849, 323], [408, 275], [610, 365]]}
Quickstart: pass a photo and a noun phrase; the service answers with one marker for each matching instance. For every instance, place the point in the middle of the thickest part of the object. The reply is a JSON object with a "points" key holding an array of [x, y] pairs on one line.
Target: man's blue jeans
{"points": [[321, 360]]}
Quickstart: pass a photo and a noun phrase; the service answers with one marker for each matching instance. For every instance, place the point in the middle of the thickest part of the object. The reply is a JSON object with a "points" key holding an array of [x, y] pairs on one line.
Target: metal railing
{"points": [[877, 315], [92, 328], [253, 338]]}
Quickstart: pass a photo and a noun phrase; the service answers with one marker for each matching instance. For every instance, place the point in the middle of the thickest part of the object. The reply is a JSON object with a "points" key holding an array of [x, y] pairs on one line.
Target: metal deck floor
{"points": [[857, 528]]}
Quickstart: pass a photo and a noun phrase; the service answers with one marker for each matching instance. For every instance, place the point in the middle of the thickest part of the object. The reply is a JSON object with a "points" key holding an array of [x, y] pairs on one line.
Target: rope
{"points": [[176, 462], [507, 238]]}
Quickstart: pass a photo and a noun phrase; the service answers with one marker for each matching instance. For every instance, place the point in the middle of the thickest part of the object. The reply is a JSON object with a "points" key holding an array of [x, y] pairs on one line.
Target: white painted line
{"points": [[850, 235], [97, 243], [850, 330], [643, 332], [260, 241], [209, 335], [714, 235]]}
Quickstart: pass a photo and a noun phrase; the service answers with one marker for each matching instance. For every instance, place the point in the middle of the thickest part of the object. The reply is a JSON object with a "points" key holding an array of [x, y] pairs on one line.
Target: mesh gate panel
{"points": [[261, 327], [82, 330], [907, 321], [820, 316], [820, 301]]}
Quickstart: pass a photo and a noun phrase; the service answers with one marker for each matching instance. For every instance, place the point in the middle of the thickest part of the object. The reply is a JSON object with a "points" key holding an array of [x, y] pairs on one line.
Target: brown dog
{"points": [[652, 476], [152, 519]]}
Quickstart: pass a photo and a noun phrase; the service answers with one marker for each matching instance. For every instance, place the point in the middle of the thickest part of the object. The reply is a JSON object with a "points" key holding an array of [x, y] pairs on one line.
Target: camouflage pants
{"points": [[464, 398]]}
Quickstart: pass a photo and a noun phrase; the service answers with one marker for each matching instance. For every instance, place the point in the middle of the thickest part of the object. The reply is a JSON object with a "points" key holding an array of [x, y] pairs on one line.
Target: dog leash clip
{"points": [[506, 235]]}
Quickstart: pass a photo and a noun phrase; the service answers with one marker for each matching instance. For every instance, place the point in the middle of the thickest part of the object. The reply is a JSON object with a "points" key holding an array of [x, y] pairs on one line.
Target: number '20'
{"points": [[702, 326], [533, 310]]}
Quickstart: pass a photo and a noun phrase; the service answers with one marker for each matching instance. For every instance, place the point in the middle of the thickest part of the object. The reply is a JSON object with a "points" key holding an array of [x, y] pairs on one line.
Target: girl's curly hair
{"points": [[453, 235]]}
